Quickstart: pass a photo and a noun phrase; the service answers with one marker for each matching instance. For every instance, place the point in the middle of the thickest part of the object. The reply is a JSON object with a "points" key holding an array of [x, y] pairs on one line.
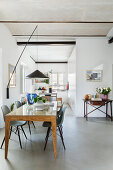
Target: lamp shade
{"points": [[36, 74]]}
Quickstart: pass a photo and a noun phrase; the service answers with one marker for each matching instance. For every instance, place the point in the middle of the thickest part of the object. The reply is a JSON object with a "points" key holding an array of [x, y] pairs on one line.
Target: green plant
{"points": [[47, 81], [104, 90], [12, 107], [38, 98]]}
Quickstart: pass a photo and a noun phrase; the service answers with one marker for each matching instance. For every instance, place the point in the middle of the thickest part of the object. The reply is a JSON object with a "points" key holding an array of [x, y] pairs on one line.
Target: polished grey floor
{"points": [[89, 146]]}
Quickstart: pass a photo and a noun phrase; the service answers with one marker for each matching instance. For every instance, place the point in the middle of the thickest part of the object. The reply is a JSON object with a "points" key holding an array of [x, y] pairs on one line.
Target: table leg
{"points": [[7, 129], [84, 108], [54, 136], [106, 109], [111, 109]]}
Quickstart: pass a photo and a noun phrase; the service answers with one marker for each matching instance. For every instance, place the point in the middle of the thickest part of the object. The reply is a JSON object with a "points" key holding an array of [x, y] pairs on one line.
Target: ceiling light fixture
{"points": [[36, 73]]}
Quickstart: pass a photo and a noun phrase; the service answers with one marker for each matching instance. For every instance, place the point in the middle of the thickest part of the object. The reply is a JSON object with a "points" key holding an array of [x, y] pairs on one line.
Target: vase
{"points": [[104, 97]]}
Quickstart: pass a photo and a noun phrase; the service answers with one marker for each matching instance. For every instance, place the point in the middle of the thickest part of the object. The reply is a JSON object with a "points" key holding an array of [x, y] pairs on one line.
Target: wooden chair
{"points": [[59, 102]]}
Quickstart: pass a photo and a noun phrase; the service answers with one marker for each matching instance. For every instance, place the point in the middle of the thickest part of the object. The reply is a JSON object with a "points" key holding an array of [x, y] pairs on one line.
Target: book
{"points": [[96, 99]]}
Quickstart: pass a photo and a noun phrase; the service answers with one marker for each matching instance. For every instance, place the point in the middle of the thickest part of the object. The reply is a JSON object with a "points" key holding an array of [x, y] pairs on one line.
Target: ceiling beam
{"points": [[60, 35], [48, 43], [68, 22], [51, 62], [110, 40]]}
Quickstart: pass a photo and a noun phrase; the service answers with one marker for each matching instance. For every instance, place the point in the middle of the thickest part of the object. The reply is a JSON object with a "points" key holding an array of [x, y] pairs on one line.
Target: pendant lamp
{"points": [[37, 74]]}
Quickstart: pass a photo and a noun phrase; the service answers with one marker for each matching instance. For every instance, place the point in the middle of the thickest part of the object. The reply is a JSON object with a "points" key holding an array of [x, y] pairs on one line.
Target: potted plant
{"points": [[39, 103], [39, 99], [103, 92]]}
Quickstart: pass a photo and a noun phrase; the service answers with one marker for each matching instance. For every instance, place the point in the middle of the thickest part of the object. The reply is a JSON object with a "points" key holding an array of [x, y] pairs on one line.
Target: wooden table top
{"points": [[31, 110], [98, 100]]}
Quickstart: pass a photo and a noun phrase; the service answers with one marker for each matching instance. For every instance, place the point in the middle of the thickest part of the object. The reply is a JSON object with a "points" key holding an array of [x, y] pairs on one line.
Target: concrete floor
{"points": [[89, 146]]}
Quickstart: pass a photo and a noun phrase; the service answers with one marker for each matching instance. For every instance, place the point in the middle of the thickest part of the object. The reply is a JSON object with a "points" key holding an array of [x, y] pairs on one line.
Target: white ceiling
{"points": [[49, 53], [60, 29], [58, 10], [44, 10]]}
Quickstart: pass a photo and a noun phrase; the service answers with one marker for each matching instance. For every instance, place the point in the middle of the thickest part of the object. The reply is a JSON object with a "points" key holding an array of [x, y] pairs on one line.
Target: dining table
{"points": [[32, 113]]}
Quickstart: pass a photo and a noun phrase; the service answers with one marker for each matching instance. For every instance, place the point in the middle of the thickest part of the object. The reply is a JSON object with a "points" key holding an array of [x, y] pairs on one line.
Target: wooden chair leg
{"points": [[61, 137], [19, 137], [23, 132], [33, 124], [47, 136], [29, 128], [2, 143]]}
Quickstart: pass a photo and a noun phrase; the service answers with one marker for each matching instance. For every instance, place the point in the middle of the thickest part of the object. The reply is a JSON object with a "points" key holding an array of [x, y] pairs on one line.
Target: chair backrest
{"points": [[59, 102], [58, 112], [60, 117], [5, 110], [18, 104]]}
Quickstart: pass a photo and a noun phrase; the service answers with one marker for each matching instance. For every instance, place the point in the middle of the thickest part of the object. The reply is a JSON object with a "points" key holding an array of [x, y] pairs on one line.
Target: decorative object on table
{"points": [[31, 97], [39, 103], [103, 92], [50, 89], [86, 97], [46, 81], [43, 88], [39, 88], [94, 75], [39, 99], [13, 79], [96, 99]]}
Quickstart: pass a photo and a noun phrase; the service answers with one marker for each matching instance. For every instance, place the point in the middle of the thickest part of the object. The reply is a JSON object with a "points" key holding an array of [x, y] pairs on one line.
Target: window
{"points": [[54, 79], [60, 79], [57, 80]]}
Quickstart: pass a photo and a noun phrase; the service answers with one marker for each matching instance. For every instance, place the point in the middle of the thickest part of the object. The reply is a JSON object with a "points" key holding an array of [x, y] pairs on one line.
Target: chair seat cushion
{"points": [[17, 123], [46, 124]]}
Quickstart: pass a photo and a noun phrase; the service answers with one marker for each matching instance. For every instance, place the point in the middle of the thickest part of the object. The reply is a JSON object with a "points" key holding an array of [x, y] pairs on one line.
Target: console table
{"points": [[96, 106]]}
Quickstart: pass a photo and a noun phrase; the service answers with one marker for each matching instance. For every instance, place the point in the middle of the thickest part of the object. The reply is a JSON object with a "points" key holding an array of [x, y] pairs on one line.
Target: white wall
{"points": [[91, 53], [72, 79], [29, 67], [9, 56], [1, 86]]}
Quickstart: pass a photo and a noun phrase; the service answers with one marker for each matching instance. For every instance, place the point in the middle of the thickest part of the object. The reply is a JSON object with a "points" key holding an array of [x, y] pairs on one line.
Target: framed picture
{"points": [[13, 79], [94, 75], [36, 81]]}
